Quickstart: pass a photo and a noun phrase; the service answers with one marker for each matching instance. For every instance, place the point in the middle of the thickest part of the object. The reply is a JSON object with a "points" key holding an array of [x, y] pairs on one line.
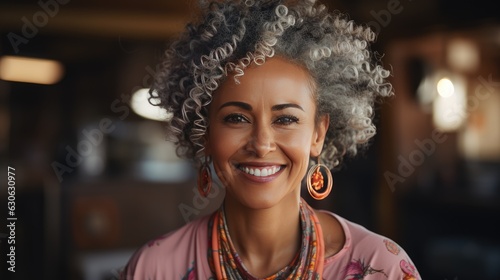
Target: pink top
{"points": [[182, 254]]}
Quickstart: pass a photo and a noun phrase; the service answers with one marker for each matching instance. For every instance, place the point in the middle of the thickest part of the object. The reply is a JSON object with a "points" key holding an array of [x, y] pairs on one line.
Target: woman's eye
{"points": [[286, 120], [235, 118]]}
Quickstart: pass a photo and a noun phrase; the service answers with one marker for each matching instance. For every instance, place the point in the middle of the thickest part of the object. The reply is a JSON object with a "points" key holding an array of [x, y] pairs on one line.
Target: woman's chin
{"points": [[257, 201]]}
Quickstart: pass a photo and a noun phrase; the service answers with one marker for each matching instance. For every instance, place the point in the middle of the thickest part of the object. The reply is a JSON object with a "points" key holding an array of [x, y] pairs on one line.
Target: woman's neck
{"points": [[266, 240]]}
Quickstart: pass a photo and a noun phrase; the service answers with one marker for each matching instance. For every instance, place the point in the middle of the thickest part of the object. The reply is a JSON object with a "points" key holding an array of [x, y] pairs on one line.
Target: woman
{"points": [[258, 90]]}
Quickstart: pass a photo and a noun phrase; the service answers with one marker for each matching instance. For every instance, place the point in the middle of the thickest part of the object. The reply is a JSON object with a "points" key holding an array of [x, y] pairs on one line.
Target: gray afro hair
{"points": [[230, 35]]}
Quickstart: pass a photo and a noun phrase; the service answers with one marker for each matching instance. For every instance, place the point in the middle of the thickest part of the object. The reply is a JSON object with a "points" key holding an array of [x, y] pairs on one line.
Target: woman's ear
{"points": [[319, 135]]}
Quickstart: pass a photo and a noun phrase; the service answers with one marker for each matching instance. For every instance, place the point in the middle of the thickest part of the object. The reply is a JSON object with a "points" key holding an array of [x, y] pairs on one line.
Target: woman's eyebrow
{"points": [[243, 105], [280, 107], [248, 107]]}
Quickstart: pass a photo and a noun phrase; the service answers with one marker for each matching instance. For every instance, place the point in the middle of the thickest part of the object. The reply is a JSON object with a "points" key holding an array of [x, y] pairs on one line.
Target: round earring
{"points": [[205, 178], [316, 181]]}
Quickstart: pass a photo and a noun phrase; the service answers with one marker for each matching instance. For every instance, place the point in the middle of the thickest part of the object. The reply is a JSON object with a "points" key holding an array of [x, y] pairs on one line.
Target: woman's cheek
{"points": [[298, 140]]}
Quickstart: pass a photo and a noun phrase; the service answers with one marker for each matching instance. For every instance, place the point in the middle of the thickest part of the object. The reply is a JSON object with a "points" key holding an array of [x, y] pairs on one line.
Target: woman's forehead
{"points": [[276, 78]]}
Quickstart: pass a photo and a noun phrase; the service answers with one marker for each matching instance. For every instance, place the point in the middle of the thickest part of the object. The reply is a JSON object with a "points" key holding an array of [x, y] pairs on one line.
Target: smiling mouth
{"points": [[261, 171]]}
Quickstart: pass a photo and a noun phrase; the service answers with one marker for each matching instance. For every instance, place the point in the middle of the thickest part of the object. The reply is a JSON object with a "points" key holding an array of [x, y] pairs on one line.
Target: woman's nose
{"points": [[261, 141]]}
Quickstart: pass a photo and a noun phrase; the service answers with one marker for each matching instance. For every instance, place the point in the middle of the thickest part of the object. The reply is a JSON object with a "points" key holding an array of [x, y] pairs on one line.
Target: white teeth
{"points": [[261, 172]]}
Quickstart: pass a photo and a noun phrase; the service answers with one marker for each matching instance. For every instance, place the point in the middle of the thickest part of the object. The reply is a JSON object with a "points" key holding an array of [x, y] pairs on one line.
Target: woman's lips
{"points": [[260, 173]]}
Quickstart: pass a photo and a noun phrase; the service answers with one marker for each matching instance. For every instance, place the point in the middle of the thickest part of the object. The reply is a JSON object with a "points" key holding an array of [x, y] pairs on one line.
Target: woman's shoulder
{"points": [[170, 255], [365, 251], [178, 239]]}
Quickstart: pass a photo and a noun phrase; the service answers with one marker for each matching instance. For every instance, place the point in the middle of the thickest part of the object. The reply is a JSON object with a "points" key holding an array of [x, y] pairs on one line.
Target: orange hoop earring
{"points": [[316, 181], [205, 178]]}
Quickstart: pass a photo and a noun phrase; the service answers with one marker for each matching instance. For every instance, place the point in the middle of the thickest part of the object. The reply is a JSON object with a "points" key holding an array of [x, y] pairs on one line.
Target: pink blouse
{"points": [[182, 254]]}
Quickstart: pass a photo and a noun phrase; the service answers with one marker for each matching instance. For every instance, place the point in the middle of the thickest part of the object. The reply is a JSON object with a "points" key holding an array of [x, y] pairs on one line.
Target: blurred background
{"points": [[95, 178]]}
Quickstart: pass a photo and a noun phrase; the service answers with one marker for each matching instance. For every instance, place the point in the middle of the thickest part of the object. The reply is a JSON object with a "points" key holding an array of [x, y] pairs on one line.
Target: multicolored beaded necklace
{"points": [[225, 262]]}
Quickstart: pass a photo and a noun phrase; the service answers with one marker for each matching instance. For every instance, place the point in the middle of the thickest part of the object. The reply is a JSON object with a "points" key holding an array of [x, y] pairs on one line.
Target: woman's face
{"points": [[262, 132]]}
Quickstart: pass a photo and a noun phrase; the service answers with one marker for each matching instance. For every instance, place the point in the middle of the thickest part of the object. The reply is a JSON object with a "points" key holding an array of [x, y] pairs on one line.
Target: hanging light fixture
{"points": [[450, 101], [140, 105], [30, 70]]}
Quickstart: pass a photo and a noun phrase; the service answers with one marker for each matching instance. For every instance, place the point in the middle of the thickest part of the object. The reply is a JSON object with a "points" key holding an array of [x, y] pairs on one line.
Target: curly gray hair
{"points": [[233, 34]]}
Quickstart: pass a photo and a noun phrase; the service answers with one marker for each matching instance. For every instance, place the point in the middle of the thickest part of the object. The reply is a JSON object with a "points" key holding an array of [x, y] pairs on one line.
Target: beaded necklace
{"points": [[225, 262]]}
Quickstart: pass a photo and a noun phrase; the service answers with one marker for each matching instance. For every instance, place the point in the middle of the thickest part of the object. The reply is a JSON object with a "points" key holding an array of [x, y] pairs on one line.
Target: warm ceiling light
{"points": [[445, 87], [30, 70], [141, 106], [450, 105], [463, 55]]}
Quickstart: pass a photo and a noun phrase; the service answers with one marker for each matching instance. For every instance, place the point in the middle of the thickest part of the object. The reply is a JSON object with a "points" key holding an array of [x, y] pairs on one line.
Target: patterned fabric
{"points": [[182, 255], [225, 262]]}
